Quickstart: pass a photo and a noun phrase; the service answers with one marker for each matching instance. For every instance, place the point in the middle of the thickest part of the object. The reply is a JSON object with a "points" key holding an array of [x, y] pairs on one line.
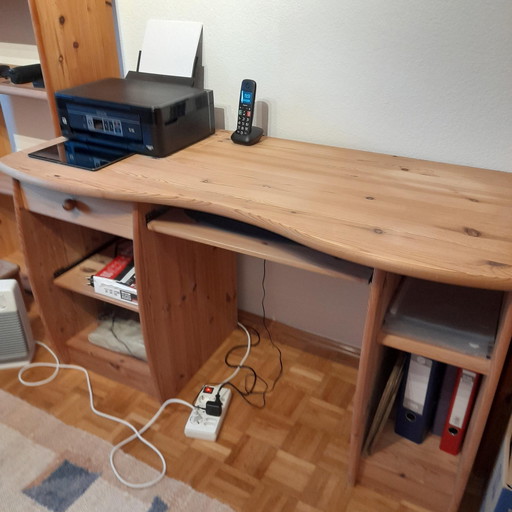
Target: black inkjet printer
{"points": [[113, 118], [143, 113]]}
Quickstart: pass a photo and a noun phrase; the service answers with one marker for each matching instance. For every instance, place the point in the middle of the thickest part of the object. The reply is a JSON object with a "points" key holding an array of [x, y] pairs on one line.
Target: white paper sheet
{"points": [[170, 47]]}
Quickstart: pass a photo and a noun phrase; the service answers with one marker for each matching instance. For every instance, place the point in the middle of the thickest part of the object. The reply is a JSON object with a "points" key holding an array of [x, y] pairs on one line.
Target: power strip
{"points": [[205, 426]]}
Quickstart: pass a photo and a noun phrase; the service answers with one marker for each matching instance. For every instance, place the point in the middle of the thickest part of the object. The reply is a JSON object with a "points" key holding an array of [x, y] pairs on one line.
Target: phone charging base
{"points": [[247, 139]]}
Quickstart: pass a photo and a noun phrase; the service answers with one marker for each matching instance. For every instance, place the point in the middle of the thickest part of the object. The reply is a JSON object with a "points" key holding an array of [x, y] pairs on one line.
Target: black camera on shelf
{"points": [[23, 74]]}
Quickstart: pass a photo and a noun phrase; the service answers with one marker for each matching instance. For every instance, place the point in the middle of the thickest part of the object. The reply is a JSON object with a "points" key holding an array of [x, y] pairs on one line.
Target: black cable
{"points": [[252, 378], [280, 373]]}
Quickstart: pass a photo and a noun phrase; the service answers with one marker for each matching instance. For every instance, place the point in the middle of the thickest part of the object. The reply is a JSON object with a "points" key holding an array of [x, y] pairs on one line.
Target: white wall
{"points": [[427, 79]]}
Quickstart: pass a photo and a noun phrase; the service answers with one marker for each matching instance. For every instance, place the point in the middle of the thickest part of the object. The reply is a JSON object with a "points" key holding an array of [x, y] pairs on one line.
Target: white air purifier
{"points": [[16, 341]]}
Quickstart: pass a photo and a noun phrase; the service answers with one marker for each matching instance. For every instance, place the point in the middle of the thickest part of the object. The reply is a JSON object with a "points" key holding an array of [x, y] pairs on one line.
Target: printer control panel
{"points": [[85, 119], [104, 125]]}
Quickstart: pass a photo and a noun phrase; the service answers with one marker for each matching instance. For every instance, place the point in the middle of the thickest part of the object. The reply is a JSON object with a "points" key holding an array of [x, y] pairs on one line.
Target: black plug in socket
{"points": [[214, 407]]}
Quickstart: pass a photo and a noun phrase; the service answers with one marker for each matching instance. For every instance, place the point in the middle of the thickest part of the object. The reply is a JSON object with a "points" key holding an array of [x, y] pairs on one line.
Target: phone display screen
{"points": [[246, 97]]}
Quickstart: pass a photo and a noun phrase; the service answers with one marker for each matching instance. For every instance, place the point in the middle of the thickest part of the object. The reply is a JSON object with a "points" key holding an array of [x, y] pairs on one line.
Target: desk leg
{"points": [[187, 302], [383, 287]]}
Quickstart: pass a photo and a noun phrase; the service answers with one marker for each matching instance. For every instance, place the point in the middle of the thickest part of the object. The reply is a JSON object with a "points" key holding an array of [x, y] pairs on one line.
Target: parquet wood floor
{"points": [[289, 456]]}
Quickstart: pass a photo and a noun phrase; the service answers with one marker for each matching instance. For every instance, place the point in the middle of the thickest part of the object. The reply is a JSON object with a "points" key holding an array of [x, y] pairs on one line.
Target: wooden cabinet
{"points": [[76, 43], [186, 290], [420, 473]]}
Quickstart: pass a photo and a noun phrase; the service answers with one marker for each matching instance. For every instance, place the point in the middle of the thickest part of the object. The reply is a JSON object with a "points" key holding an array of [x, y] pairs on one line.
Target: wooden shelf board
{"points": [[442, 354], [421, 473], [119, 367], [175, 222], [24, 90], [77, 279]]}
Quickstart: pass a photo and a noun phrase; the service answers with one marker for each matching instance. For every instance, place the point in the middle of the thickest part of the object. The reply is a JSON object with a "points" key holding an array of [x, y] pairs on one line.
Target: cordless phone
{"points": [[245, 132], [246, 107]]}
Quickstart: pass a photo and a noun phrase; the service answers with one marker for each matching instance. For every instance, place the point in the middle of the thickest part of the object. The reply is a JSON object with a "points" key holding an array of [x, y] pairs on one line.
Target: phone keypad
{"points": [[244, 123]]}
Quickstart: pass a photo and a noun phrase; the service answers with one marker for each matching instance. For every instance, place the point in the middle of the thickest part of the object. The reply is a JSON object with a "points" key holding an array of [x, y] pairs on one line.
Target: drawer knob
{"points": [[69, 204]]}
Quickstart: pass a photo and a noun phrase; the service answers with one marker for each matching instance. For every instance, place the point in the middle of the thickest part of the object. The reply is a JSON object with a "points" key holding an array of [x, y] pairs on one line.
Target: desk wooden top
{"points": [[430, 220]]}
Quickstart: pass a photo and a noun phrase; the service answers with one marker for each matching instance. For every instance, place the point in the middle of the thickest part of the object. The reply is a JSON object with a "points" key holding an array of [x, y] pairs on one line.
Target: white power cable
{"points": [[242, 361], [137, 434]]}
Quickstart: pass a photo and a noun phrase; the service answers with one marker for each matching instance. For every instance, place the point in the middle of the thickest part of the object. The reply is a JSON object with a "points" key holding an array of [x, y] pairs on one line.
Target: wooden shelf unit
{"points": [[71, 38], [422, 473]]}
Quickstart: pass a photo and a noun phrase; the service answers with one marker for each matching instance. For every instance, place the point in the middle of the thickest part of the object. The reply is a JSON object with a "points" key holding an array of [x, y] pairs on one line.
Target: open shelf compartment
{"points": [[246, 239], [114, 365], [417, 472], [452, 324], [77, 278]]}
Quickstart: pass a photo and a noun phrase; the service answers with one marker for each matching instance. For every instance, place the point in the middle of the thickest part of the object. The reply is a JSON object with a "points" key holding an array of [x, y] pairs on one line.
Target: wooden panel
{"points": [[8, 228], [497, 422], [76, 42], [442, 354], [483, 403], [176, 223], [429, 220], [187, 303], [114, 217], [372, 356]]}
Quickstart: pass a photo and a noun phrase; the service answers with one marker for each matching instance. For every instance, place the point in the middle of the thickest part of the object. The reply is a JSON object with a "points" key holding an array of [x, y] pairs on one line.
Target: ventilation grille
{"points": [[13, 344], [16, 342]]}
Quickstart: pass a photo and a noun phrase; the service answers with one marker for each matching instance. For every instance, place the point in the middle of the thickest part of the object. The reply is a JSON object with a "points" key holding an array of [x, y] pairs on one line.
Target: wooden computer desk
{"points": [[353, 213]]}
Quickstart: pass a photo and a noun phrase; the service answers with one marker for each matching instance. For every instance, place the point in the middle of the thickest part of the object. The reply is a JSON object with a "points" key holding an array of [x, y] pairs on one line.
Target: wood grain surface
{"points": [[430, 220]]}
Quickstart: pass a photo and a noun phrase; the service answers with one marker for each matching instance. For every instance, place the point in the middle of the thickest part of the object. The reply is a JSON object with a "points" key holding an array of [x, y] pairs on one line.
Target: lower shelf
{"points": [[120, 367], [77, 278], [420, 473]]}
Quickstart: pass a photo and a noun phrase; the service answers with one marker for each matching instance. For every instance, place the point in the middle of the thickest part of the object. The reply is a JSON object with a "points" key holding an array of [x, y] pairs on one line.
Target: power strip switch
{"points": [[201, 425]]}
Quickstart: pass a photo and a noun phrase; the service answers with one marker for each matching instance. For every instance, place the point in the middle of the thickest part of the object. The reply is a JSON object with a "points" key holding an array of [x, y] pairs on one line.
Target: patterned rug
{"points": [[46, 465]]}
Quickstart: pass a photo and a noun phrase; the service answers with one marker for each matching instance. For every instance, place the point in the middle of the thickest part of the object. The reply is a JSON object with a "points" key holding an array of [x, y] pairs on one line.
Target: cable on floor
{"points": [[137, 434]]}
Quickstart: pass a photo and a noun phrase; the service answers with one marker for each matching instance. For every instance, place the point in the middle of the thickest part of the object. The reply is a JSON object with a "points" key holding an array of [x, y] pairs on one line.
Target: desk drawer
{"points": [[106, 215]]}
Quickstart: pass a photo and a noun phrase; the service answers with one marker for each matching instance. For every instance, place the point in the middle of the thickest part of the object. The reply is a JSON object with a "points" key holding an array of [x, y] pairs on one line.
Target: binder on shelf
{"points": [[418, 397], [463, 398], [445, 398]]}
